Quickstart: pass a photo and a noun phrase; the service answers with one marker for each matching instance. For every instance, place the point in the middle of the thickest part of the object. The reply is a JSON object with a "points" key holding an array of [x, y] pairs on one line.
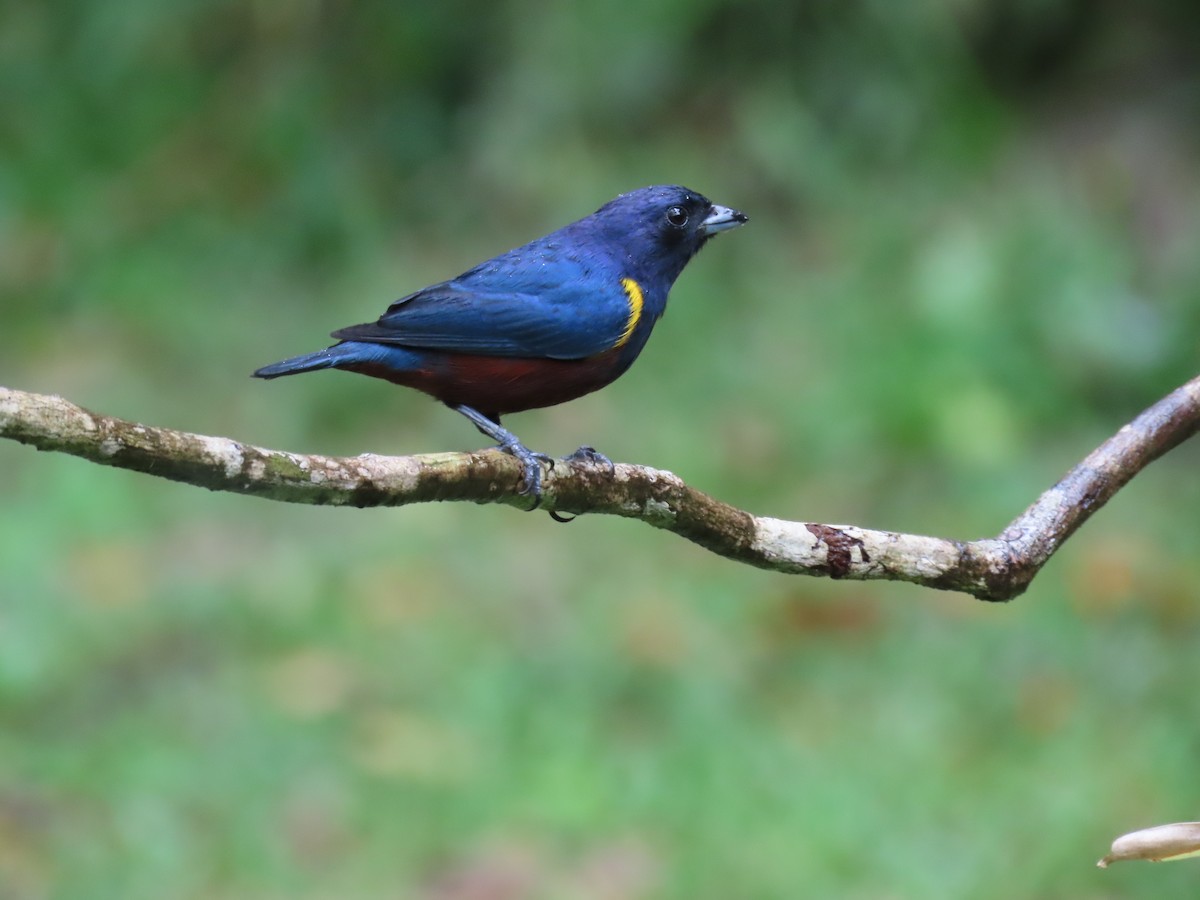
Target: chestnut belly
{"points": [[497, 384]]}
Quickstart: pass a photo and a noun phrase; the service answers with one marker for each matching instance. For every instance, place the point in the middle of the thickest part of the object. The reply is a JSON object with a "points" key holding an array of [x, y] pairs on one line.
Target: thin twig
{"points": [[994, 569]]}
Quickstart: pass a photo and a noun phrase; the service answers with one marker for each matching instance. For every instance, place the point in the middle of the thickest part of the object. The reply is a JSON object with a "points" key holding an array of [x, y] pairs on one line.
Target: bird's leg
{"points": [[531, 462], [592, 455]]}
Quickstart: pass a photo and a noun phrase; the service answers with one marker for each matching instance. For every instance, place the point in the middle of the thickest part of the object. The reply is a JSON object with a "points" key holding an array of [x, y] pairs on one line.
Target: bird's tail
{"points": [[330, 357]]}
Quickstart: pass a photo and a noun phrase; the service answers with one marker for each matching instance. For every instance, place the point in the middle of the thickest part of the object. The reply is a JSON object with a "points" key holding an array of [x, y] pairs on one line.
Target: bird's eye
{"points": [[677, 216]]}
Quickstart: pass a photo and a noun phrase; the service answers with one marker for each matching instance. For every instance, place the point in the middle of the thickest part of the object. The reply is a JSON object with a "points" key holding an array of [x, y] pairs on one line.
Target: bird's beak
{"points": [[721, 218]]}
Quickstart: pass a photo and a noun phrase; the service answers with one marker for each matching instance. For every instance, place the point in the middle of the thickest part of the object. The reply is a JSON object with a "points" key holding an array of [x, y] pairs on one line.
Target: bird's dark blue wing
{"points": [[573, 319]]}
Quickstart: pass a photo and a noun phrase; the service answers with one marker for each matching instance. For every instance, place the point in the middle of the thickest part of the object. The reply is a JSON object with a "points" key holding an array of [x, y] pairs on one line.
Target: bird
{"points": [[545, 323]]}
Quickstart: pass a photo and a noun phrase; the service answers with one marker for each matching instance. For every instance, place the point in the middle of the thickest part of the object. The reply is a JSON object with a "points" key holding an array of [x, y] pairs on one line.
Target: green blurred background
{"points": [[972, 255]]}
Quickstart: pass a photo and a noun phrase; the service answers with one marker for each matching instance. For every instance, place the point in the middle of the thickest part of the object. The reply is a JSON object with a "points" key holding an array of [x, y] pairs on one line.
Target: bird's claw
{"points": [[592, 456], [531, 469], [595, 457]]}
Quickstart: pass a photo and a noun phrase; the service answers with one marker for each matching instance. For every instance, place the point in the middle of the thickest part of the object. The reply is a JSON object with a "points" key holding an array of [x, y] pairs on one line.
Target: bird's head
{"points": [[656, 230]]}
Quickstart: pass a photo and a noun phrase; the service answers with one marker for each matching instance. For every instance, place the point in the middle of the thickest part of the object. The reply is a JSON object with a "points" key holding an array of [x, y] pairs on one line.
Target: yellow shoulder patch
{"points": [[633, 291]]}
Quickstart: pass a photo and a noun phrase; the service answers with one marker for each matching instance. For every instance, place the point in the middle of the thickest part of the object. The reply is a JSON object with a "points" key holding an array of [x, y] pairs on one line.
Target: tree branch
{"points": [[993, 569]]}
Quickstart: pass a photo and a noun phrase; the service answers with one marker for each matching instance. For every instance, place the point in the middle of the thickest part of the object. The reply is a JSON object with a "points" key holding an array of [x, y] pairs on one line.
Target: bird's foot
{"points": [[531, 468], [531, 463], [595, 457], [592, 456]]}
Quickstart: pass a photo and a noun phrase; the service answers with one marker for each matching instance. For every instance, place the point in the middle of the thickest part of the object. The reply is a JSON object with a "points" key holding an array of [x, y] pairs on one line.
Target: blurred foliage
{"points": [[971, 256]]}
